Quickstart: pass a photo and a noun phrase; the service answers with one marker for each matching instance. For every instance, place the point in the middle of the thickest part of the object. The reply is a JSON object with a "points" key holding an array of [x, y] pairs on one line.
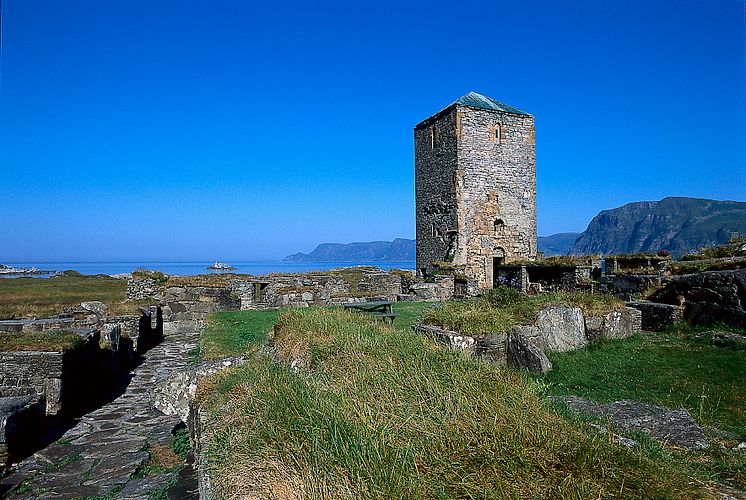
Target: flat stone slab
{"points": [[671, 427]]}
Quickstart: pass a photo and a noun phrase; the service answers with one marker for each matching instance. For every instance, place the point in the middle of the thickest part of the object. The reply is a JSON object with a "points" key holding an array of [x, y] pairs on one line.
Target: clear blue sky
{"points": [[238, 130]]}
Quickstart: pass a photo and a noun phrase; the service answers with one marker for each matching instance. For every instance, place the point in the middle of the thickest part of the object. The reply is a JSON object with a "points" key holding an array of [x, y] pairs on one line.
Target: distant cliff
{"points": [[557, 244], [679, 225], [372, 251]]}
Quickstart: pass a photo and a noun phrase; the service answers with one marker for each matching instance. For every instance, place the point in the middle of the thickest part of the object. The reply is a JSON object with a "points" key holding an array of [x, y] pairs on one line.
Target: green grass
{"points": [[382, 412], [53, 341], [409, 313], [678, 368], [669, 369], [503, 308], [233, 333], [38, 297]]}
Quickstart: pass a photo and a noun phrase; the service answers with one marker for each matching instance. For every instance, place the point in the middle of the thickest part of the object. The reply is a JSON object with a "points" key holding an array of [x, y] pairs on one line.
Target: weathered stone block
{"points": [[521, 352], [561, 329], [656, 317], [454, 340], [674, 427], [614, 325], [491, 346]]}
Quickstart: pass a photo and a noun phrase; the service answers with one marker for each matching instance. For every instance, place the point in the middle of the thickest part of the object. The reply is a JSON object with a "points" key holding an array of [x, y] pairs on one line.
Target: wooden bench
{"points": [[377, 309]]}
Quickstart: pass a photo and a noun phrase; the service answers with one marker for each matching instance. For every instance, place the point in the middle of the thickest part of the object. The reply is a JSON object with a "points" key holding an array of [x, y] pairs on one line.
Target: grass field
{"points": [[39, 297], [669, 369], [381, 412]]}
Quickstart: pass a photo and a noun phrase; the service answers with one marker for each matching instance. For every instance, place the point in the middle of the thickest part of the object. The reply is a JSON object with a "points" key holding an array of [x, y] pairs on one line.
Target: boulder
{"points": [[672, 427], [98, 308], [614, 325], [561, 329], [521, 352]]}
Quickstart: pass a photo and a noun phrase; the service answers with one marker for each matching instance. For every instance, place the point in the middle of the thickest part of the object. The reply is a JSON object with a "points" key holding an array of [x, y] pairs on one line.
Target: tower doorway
{"points": [[498, 259]]}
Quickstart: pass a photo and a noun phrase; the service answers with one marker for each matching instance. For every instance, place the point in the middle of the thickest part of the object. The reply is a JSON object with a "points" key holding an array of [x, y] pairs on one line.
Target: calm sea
{"points": [[256, 268]]}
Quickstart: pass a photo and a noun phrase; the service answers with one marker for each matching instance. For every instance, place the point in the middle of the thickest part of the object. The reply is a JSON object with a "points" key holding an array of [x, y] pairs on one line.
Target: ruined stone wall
{"points": [[384, 285], [61, 379], [496, 190], [142, 288], [316, 289], [435, 152], [708, 297], [26, 373], [185, 308]]}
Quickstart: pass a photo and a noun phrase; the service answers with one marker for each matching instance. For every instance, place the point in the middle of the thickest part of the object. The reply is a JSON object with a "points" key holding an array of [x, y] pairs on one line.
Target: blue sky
{"points": [[239, 130]]}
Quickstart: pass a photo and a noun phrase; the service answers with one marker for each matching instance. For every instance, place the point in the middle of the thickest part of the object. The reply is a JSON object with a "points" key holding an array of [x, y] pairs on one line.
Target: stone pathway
{"points": [[102, 456]]}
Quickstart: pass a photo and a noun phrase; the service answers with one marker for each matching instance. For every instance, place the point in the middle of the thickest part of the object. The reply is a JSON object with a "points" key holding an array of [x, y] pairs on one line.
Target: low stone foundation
{"points": [[558, 329], [656, 317]]}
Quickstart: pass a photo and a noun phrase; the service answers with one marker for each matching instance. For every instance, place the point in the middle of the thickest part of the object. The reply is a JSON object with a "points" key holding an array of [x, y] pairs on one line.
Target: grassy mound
{"points": [[503, 308], [372, 411]]}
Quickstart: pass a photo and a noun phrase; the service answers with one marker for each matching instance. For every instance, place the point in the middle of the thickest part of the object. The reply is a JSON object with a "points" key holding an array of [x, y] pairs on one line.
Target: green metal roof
{"points": [[474, 100]]}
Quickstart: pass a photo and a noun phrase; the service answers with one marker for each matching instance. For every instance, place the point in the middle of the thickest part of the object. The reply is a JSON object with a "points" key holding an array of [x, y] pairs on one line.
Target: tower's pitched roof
{"points": [[475, 100]]}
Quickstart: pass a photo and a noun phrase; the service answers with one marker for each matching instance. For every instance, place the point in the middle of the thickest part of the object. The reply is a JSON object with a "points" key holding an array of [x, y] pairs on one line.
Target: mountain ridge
{"points": [[680, 225], [398, 250]]}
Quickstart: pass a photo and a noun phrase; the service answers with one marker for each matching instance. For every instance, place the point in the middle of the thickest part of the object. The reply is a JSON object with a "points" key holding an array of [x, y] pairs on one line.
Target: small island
{"points": [[220, 266]]}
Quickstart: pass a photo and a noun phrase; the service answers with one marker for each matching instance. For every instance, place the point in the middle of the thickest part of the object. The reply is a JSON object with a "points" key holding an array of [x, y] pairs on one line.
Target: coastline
{"points": [[191, 268]]}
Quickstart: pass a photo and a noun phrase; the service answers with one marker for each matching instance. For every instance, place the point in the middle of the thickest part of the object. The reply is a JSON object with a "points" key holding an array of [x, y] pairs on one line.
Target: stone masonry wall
{"points": [[62, 379], [475, 190], [25, 373], [316, 289], [185, 308], [708, 297], [436, 152], [142, 288], [496, 190]]}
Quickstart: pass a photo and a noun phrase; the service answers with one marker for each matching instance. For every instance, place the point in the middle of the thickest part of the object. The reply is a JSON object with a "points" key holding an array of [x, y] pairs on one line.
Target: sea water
{"points": [[256, 268]]}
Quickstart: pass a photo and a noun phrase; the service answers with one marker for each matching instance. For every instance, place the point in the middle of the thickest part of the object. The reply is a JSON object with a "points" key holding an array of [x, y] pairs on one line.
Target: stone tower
{"points": [[475, 186]]}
